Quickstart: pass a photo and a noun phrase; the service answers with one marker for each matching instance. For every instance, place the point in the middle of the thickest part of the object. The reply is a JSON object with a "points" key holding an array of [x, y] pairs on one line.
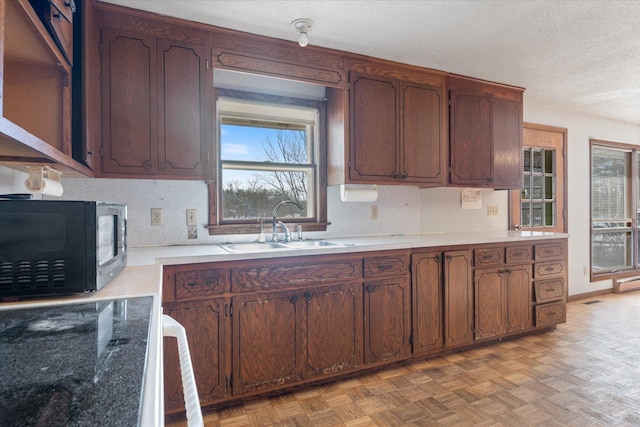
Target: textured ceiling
{"points": [[582, 56]]}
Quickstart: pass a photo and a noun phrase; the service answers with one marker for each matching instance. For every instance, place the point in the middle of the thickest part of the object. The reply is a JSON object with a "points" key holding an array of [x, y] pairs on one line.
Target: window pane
{"points": [[537, 161], [526, 188], [264, 144], [526, 215], [611, 250], [254, 194], [536, 218], [549, 161], [549, 214], [537, 187], [609, 184], [549, 187], [527, 159]]}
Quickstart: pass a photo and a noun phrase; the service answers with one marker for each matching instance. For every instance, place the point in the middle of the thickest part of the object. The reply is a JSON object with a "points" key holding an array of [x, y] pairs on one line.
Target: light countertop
{"points": [[187, 254]]}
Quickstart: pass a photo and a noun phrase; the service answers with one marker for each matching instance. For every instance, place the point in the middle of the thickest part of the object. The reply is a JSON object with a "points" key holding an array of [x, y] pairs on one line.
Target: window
{"points": [[540, 205], [614, 209], [269, 149]]}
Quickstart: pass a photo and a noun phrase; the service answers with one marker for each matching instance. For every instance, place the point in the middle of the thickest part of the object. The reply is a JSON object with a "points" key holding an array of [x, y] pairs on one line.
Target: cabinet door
{"points": [[489, 302], [208, 330], [266, 340], [332, 329], [458, 298], [373, 112], [506, 136], [387, 305], [519, 298], [470, 139], [427, 302], [129, 109], [185, 118], [423, 150]]}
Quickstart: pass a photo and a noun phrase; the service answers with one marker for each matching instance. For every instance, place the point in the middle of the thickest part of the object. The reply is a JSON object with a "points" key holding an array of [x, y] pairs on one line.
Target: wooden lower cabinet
{"points": [[427, 309], [207, 325], [257, 326], [458, 298], [332, 329], [502, 300], [266, 340], [387, 321]]}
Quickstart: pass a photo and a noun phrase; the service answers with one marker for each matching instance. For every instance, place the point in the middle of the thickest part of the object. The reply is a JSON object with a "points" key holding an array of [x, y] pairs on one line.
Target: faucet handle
{"points": [[299, 229]]}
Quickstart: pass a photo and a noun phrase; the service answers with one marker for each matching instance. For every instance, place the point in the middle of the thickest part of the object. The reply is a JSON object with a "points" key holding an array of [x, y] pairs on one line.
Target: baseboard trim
{"points": [[586, 295]]}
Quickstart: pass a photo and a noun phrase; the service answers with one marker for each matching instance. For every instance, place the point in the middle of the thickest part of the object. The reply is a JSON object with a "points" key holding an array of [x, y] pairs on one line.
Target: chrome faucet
{"points": [[275, 222]]}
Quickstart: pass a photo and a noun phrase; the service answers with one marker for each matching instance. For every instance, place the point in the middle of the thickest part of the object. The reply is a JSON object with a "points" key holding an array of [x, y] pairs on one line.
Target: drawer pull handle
{"points": [[548, 269], [552, 289]]}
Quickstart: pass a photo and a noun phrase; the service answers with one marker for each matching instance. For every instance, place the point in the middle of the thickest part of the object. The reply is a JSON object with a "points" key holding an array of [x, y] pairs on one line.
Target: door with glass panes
{"points": [[541, 203]]}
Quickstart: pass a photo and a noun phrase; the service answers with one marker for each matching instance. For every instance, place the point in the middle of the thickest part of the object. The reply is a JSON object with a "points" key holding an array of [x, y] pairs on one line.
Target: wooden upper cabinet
{"points": [[396, 129], [485, 134], [129, 110], [185, 130], [157, 107], [373, 111]]}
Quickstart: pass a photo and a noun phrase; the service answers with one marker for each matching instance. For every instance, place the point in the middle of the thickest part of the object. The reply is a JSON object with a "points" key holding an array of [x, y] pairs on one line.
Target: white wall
{"points": [[580, 129], [406, 210]]}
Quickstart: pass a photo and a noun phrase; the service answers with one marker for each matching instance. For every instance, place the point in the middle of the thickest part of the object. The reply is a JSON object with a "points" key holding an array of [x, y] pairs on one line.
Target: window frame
{"points": [[634, 150], [318, 222]]}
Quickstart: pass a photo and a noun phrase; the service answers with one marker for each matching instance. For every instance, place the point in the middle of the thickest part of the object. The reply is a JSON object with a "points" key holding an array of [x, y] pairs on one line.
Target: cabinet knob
{"points": [[147, 166], [294, 298], [395, 175], [438, 258], [71, 5], [307, 296], [405, 175], [164, 166], [370, 288]]}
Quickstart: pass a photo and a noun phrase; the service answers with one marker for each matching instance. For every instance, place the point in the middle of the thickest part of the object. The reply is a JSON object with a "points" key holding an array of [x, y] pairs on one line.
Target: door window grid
{"points": [[538, 195]]}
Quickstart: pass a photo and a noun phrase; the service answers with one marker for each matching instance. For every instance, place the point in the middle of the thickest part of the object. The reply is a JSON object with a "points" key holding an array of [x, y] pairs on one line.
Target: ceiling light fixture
{"points": [[303, 26]]}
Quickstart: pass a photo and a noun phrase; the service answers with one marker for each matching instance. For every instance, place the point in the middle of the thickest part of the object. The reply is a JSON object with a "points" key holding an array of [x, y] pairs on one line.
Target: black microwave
{"points": [[50, 247]]}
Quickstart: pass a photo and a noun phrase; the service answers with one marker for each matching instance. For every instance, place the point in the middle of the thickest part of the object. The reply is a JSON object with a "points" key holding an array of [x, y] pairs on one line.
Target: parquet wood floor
{"points": [[584, 373]]}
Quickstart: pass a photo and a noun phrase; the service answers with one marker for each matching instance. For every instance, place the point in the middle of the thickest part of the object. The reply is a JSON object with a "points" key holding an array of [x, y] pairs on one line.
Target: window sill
{"points": [[617, 275], [255, 228]]}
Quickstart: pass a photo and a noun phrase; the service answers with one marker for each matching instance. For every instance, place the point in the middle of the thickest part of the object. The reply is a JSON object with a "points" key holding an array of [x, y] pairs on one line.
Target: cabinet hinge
{"points": [[101, 151]]}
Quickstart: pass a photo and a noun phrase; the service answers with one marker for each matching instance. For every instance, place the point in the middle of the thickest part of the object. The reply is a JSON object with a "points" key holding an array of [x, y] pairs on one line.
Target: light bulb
{"points": [[303, 40]]}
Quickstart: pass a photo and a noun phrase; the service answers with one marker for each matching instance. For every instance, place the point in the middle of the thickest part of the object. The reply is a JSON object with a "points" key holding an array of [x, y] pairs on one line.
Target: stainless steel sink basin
{"points": [[311, 244], [252, 247], [273, 246]]}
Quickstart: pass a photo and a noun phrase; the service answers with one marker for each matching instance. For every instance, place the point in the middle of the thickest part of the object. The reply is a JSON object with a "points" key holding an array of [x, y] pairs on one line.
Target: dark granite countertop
{"points": [[74, 364]]}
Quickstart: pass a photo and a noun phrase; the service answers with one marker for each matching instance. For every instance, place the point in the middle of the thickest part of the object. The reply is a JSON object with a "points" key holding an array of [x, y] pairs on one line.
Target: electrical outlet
{"points": [[156, 216], [374, 212], [192, 217], [492, 210]]}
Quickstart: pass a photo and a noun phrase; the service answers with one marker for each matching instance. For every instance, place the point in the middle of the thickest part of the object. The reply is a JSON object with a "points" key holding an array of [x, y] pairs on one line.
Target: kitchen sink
{"points": [[311, 244], [275, 246], [252, 247]]}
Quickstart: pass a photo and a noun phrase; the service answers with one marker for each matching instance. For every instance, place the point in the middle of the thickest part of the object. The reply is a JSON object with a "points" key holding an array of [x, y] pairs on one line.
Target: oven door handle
{"points": [[171, 328]]}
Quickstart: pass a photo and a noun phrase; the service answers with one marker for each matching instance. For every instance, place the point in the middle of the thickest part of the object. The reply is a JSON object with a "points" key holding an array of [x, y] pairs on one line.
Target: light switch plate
{"points": [[192, 217]]}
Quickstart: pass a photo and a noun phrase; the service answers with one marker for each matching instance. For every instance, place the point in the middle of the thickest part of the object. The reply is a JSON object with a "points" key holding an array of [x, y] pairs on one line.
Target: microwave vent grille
{"points": [[32, 274]]}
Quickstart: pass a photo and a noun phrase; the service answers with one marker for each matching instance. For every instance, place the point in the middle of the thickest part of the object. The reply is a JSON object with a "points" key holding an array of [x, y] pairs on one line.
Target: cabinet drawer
{"points": [[271, 276], [489, 256], [193, 284], [549, 290], [551, 314], [518, 254], [548, 269], [389, 265], [549, 251]]}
